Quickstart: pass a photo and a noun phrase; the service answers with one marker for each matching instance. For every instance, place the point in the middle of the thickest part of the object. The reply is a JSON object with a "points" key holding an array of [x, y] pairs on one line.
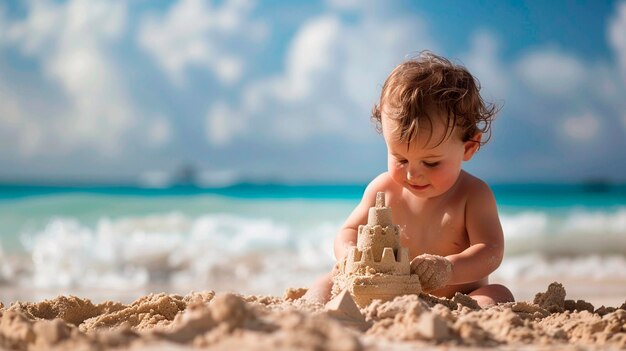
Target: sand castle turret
{"points": [[378, 267]]}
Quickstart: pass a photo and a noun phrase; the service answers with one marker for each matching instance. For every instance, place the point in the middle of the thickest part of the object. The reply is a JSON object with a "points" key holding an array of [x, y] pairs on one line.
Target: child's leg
{"points": [[492, 294], [320, 291]]}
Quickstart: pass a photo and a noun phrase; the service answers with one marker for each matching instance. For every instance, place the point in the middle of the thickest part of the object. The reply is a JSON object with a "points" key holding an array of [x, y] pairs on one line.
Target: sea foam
{"points": [[262, 254], [173, 248]]}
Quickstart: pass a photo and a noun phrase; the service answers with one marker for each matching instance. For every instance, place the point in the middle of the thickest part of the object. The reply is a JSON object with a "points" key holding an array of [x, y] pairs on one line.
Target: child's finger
{"points": [[437, 281], [415, 264], [427, 276], [422, 268]]}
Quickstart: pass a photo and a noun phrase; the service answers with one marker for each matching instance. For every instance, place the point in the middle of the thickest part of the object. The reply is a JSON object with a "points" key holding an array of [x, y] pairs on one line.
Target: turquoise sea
{"points": [[262, 238]]}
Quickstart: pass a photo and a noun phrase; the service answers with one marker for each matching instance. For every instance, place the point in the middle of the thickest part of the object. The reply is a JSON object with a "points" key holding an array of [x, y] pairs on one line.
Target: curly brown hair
{"points": [[432, 83]]}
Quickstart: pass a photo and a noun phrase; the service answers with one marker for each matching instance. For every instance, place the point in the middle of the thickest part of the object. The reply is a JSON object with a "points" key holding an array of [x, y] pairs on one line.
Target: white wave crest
{"points": [[576, 232], [589, 267], [173, 248], [266, 255]]}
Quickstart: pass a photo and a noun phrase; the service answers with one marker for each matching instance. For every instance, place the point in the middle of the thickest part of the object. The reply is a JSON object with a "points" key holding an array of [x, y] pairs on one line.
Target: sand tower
{"points": [[378, 267]]}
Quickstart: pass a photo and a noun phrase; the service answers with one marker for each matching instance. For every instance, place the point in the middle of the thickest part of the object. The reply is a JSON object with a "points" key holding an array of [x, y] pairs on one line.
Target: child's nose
{"points": [[414, 172]]}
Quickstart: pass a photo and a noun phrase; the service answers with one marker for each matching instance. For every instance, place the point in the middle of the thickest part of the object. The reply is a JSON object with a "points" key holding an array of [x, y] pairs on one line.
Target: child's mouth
{"points": [[419, 187]]}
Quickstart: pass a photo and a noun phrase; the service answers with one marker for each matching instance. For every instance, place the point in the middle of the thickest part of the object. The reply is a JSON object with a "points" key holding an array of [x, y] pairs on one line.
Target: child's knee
{"points": [[320, 291], [324, 280], [492, 294], [501, 293]]}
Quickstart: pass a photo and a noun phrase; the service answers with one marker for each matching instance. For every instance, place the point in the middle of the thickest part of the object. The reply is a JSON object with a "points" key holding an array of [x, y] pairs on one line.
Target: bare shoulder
{"points": [[475, 188], [480, 206], [382, 183]]}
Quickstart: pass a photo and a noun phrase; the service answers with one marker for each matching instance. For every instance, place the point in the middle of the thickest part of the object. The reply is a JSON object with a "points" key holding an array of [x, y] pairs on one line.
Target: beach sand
{"points": [[228, 321]]}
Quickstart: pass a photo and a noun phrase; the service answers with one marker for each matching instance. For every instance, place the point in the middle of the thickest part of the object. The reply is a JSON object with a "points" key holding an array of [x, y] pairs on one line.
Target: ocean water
{"points": [[266, 238]]}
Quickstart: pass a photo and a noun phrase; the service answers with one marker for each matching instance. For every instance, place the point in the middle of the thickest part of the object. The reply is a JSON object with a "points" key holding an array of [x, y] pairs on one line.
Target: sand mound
{"points": [[230, 321]]}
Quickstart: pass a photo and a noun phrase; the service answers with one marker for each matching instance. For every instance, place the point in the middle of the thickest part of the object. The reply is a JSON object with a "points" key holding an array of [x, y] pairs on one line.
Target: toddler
{"points": [[433, 118]]}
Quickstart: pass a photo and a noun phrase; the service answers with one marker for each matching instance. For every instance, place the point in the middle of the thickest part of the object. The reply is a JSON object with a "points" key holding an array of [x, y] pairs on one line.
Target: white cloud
{"points": [[374, 47], [345, 4], [333, 74], [582, 128], [583, 95], [551, 72], [312, 52], [222, 124], [70, 41], [30, 139], [484, 63], [617, 37], [10, 112], [194, 33], [18, 134], [38, 29], [80, 100], [229, 69], [159, 132]]}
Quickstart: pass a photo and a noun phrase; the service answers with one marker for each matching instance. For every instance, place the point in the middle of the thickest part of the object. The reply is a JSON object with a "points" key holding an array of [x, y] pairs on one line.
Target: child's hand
{"points": [[341, 262], [433, 271], [346, 248]]}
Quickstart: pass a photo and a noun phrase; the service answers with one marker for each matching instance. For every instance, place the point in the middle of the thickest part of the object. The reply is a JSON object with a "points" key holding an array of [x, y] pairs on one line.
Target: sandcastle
{"points": [[378, 267]]}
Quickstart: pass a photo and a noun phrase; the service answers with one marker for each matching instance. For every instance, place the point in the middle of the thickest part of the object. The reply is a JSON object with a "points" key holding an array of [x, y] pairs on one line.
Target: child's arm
{"points": [[483, 255], [486, 248]]}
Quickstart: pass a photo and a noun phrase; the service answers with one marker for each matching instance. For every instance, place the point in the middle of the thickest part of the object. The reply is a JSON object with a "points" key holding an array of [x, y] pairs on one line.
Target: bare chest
{"points": [[436, 230]]}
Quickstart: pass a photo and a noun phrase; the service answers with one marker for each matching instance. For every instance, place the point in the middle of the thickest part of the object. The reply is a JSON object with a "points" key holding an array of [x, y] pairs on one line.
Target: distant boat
{"points": [[187, 175]]}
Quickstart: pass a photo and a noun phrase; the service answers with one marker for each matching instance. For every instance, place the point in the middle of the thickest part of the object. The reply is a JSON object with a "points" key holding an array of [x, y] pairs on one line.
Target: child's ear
{"points": [[471, 146]]}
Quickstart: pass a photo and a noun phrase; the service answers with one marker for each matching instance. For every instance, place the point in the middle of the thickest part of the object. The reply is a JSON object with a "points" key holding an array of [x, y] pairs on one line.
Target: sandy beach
{"points": [[227, 321]]}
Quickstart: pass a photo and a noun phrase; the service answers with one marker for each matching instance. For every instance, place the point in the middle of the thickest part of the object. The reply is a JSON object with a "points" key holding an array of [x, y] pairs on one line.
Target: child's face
{"points": [[426, 169]]}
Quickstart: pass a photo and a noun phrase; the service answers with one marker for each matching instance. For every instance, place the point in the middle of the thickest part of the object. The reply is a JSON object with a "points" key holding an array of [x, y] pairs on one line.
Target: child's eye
{"points": [[430, 164], [402, 162]]}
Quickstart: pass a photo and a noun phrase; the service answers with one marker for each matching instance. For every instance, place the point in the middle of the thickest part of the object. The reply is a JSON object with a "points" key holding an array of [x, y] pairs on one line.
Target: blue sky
{"points": [[108, 90]]}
